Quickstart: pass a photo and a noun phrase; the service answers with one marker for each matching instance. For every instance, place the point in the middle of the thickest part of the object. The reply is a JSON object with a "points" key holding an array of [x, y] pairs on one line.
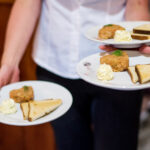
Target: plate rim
{"points": [[117, 43], [117, 87], [42, 122]]}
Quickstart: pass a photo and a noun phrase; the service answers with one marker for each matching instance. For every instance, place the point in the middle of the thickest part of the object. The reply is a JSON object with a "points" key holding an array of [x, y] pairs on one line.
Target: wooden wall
{"points": [[23, 138]]}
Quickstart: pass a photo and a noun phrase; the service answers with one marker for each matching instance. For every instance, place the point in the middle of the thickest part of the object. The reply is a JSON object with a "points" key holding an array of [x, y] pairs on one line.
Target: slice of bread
{"points": [[25, 110], [142, 29], [38, 109], [143, 73], [140, 36], [133, 74]]}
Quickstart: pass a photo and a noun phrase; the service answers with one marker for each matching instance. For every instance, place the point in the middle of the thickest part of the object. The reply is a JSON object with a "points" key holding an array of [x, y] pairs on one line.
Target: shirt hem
{"points": [[48, 68]]}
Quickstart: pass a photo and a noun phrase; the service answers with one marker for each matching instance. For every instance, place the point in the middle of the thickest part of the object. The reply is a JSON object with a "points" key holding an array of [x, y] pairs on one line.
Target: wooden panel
{"points": [[6, 1], [26, 138], [4, 14], [23, 138]]}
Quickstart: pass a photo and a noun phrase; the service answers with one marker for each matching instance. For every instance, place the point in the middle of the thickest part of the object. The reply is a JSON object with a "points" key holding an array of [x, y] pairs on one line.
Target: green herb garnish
{"points": [[117, 53], [107, 25], [25, 88]]}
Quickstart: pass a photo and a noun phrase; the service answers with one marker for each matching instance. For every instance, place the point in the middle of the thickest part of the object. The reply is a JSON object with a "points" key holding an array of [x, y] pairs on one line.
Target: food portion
{"points": [[140, 73], [105, 72], [122, 36], [140, 36], [25, 110], [142, 29], [108, 31], [8, 107], [133, 74], [31, 109], [23, 94], [34, 110], [141, 32], [143, 72], [118, 60]]}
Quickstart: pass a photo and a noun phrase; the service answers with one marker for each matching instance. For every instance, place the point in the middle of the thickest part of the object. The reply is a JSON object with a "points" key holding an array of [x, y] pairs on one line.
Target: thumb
{"points": [[145, 49], [107, 48]]}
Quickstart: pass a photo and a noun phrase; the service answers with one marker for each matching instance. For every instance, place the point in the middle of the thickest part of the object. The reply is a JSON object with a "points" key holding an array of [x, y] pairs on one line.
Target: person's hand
{"points": [[9, 74], [107, 48], [143, 49]]}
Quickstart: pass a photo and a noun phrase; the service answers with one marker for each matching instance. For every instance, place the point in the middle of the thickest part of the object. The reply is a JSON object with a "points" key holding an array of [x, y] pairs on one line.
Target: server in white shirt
{"points": [[100, 119]]}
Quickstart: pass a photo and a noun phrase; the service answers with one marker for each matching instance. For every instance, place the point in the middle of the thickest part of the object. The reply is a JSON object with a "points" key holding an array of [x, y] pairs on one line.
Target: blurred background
{"points": [[42, 137]]}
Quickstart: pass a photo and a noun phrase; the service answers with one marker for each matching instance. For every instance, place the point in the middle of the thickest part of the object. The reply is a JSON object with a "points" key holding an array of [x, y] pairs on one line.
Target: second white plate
{"points": [[87, 70], [92, 34]]}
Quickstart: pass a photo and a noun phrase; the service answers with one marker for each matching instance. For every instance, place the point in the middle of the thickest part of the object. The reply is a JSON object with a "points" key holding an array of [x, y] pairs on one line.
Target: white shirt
{"points": [[60, 43]]}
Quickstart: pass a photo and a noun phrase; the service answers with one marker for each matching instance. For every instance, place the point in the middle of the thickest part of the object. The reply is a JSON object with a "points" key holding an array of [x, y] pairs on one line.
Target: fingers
{"points": [[4, 76], [8, 75], [145, 49], [107, 48]]}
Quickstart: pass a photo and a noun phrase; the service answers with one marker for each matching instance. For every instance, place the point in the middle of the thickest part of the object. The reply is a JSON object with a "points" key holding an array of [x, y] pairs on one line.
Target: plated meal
{"points": [[33, 102], [119, 70], [128, 34], [31, 108], [120, 34], [118, 61]]}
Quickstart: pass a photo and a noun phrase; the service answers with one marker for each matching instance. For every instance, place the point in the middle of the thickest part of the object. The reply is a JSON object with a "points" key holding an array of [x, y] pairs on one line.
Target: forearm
{"points": [[137, 10], [20, 27]]}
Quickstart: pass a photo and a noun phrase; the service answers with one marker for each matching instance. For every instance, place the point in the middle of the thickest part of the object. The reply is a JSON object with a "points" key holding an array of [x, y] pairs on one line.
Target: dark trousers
{"points": [[99, 119]]}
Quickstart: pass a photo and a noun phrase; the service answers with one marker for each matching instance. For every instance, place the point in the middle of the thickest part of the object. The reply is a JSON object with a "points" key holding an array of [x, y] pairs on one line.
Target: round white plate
{"points": [[42, 90], [92, 34], [87, 70]]}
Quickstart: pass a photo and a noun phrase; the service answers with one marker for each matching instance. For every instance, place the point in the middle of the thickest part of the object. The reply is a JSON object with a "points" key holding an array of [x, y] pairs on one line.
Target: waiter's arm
{"points": [[20, 27], [137, 10]]}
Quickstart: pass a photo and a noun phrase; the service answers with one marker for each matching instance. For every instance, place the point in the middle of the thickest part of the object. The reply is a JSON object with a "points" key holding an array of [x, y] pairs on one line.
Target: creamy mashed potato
{"points": [[8, 107], [122, 36], [105, 72]]}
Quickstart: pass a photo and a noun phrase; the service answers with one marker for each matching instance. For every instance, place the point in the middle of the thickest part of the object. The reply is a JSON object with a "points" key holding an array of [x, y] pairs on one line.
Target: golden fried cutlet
{"points": [[108, 31], [23, 94], [118, 63]]}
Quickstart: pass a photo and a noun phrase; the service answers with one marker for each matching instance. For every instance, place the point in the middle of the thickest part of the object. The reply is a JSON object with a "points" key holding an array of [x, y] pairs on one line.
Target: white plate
{"points": [[92, 34], [42, 90], [87, 70]]}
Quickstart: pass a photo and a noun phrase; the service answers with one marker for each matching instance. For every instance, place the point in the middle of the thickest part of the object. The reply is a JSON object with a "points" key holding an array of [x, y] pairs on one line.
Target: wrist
{"points": [[10, 62], [9, 65]]}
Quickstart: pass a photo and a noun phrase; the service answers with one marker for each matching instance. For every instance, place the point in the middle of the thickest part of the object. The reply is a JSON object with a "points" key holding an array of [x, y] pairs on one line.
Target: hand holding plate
{"points": [[9, 74], [145, 49], [107, 48]]}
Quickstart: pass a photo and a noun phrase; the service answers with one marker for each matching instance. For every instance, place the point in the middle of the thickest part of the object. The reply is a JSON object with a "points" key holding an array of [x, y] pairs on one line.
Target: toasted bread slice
{"points": [[133, 74], [142, 29], [25, 110], [38, 109], [143, 73], [140, 36]]}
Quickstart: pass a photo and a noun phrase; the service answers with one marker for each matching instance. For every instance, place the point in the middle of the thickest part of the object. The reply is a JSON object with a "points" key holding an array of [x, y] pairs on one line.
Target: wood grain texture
{"points": [[7, 1], [26, 138], [39, 137]]}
